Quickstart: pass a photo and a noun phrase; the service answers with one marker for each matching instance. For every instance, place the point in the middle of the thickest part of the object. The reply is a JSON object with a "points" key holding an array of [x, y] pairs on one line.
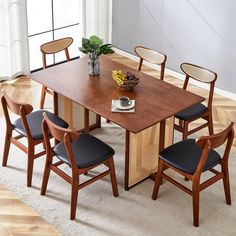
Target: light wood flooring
{"points": [[18, 219]]}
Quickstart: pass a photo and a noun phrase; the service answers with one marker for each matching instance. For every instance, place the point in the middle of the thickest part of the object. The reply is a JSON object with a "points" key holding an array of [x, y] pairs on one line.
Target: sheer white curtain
{"points": [[97, 18], [14, 52]]}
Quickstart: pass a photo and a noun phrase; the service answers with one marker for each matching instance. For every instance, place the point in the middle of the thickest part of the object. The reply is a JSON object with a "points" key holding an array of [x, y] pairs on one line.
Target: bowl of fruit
{"points": [[125, 80]]}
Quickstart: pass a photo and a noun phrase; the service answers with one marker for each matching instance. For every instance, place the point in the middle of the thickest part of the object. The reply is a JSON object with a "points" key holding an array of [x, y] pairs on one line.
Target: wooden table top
{"points": [[156, 100]]}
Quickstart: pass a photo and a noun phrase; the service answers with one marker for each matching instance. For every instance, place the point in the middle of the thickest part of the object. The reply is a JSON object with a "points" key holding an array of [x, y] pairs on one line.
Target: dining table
{"points": [[82, 100]]}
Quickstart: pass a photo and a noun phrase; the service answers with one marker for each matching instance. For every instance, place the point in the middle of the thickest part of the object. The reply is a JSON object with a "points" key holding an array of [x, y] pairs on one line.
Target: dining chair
{"points": [[191, 158], [53, 47], [185, 117], [152, 56], [28, 126], [82, 152]]}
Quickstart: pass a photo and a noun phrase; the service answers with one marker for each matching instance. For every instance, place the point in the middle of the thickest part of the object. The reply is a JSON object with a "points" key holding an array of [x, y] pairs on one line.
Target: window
{"points": [[49, 20]]}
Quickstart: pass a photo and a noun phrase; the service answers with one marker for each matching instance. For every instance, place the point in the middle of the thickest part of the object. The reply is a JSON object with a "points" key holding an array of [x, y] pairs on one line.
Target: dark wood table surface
{"points": [[156, 100]]}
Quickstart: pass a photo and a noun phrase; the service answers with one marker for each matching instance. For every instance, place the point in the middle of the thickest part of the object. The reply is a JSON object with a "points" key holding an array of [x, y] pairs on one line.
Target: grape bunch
{"points": [[130, 76], [125, 81]]}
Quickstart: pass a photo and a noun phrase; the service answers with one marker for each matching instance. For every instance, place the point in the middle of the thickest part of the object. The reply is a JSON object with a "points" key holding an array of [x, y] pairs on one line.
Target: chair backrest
{"points": [[61, 134], [55, 47], [58, 132], [21, 109], [200, 74], [152, 56], [215, 141], [14, 106]]}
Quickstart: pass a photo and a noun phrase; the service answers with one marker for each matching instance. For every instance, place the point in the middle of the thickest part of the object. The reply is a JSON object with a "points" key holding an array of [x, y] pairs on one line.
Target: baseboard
{"points": [[177, 75]]}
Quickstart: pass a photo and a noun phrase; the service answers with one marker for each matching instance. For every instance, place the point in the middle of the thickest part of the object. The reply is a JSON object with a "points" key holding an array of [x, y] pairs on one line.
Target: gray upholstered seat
{"points": [[185, 156], [192, 112], [35, 123], [87, 151]]}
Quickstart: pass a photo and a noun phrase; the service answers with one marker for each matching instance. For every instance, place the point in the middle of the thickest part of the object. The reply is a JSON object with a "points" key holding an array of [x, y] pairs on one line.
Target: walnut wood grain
{"points": [[155, 100]]}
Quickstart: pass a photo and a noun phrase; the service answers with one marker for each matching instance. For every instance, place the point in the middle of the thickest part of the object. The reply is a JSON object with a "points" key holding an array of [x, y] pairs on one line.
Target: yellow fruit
{"points": [[119, 77]]}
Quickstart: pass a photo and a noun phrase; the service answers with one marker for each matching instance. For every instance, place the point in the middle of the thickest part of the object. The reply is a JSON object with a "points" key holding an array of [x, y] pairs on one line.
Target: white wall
{"points": [[202, 32]]}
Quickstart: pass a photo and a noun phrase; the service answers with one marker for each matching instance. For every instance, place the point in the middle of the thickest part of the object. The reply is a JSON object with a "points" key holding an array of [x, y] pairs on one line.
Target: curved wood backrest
{"points": [[202, 75], [61, 134], [198, 73], [58, 132], [217, 140], [21, 109], [150, 55], [14, 106], [212, 142], [56, 45]]}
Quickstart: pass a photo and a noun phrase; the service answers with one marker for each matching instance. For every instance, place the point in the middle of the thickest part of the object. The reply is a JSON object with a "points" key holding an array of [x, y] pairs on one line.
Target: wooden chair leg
{"points": [[30, 167], [196, 207], [44, 146], [210, 124], [45, 176], [6, 149], [86, 120], [158, 180], [98, 121], [74, 196], [185, 130], [181, 123], [113, 178], [42, 98], [226, 185]]}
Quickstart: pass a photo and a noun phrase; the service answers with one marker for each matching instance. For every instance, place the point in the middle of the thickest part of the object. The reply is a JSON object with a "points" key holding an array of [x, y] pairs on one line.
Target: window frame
{"points": [[53, 30]]}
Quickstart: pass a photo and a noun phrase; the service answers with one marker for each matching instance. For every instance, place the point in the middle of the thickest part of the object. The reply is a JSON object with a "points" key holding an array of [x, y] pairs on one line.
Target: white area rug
{"points": [[133, 212]]}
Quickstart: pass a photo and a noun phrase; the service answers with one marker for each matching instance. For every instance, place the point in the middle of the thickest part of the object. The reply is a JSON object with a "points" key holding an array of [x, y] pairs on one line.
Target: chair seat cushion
{"points": [[192, 112], [185, 156], [87, 151], [35, 123]]}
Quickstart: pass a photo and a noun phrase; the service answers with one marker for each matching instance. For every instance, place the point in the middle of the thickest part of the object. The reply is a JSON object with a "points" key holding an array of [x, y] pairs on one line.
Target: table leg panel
{"points": [[73, 113], [169, 132], [144, 149]]}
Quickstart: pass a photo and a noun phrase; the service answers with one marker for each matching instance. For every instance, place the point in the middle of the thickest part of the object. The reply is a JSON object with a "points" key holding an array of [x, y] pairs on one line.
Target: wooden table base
{"points": [[142, 151]]}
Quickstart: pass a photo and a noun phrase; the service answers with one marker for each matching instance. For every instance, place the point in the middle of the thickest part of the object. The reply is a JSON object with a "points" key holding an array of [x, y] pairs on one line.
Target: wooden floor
{"points": [[18, 219]]}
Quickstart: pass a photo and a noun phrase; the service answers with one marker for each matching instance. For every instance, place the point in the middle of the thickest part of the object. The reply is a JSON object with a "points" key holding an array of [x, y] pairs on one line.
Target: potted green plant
{"points": [[94, 47]]}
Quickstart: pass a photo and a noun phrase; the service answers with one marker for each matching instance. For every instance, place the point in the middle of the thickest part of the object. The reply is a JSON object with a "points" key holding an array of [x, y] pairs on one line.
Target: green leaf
{"points": [[85, 43], [109, 50], [95, 41], [98, 51], [106, 48], [95, 45], [83, 50]]}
